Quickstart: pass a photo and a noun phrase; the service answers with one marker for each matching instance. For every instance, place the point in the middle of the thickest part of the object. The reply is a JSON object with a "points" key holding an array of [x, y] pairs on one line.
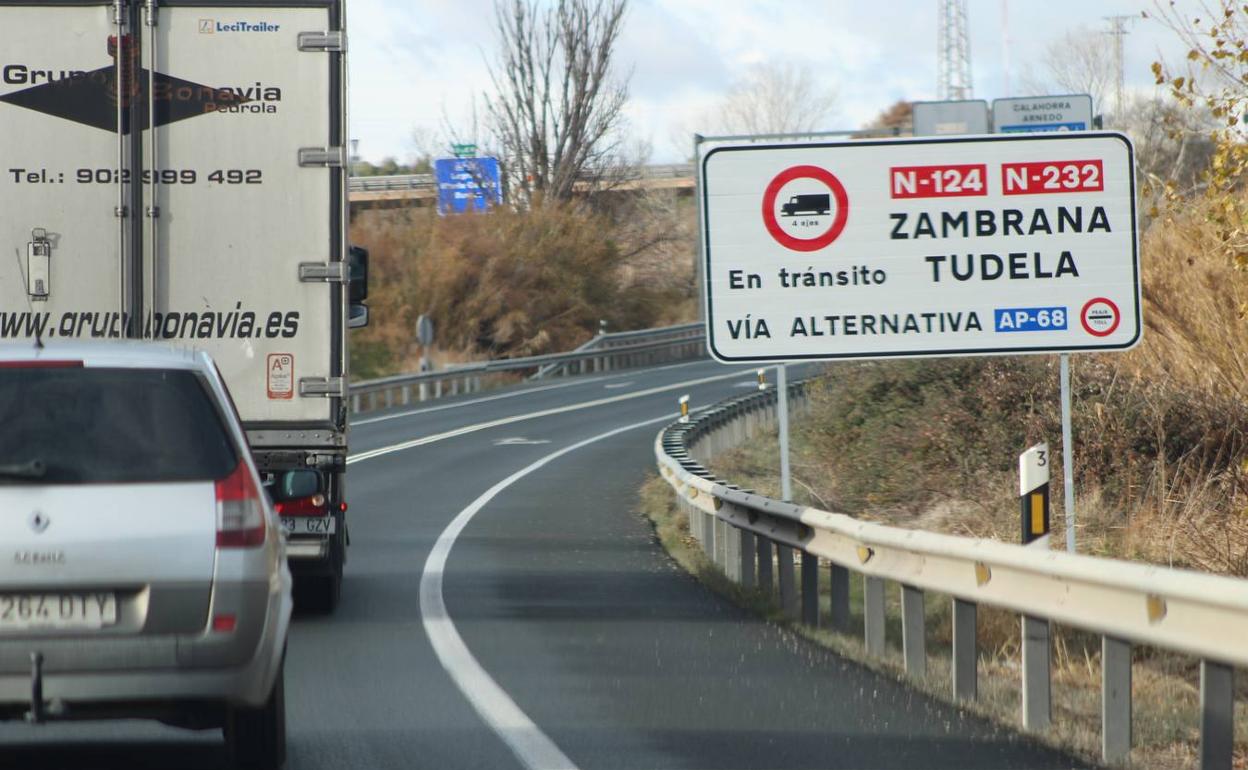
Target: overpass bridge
{"points": [[370, 192]]}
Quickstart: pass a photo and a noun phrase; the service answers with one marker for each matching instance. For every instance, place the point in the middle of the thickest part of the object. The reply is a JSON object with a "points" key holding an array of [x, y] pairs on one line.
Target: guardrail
{"points": [[1126, 603], [609, 352], [427, 181]]}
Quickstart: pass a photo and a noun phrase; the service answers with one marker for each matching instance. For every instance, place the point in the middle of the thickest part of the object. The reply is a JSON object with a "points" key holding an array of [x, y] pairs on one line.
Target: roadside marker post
{"points": [[762, 379], [1033, 495], [684, 408]]}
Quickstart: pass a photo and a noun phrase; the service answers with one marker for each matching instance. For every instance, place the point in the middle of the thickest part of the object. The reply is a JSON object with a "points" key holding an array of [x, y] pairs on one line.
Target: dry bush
{"points": [[508, 283]]}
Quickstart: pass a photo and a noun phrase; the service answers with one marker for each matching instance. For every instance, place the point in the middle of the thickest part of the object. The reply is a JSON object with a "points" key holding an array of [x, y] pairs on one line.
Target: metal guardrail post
{"points": [[810, 589], [720, 527], [1217, 710], [1115, 699], [748, 556], [788, 583], [913, 631], [838, 600], [965, 651], [1037, 683], [766, 555], [873, 615], [732, 553]]}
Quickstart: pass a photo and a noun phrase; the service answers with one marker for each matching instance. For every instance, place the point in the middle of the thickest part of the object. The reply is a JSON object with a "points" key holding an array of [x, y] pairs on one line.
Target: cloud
{"points": [[413, 61]]}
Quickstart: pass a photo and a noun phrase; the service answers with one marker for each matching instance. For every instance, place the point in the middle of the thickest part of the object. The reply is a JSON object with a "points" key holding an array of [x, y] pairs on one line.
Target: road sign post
{"points": [[982, 245]]}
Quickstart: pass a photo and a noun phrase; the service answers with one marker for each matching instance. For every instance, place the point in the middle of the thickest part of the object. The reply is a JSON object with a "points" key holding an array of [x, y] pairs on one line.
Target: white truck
{"points": [[176, 171]]}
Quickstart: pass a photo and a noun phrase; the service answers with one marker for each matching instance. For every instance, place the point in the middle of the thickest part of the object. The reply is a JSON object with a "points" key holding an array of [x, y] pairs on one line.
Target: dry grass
{"points": [[1160, 451]]}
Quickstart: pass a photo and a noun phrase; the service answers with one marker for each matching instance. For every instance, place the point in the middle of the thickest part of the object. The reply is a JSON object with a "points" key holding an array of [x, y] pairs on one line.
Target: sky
{"points": [[419, 67]]}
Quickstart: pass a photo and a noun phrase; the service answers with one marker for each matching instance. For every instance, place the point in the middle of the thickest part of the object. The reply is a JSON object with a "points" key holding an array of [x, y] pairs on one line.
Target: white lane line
{"points": [[368, 455], [525, 739], [511, 394]]}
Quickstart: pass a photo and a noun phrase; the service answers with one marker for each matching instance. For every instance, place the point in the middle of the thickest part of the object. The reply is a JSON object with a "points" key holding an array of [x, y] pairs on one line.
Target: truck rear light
{"points": [[240, 510], [313, 505]]}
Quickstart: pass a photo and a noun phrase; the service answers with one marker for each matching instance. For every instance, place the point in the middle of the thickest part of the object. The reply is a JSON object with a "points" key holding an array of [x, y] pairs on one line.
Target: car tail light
{"points": [[240, 510], [313, 505], [224, 623]]}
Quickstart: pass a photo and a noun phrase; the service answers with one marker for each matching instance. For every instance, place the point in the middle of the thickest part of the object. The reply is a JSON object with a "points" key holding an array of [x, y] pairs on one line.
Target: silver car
{"points": [[142, 568]]}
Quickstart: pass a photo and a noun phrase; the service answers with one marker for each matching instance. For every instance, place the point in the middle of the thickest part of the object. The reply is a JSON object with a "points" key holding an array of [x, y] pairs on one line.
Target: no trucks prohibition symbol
{"points": [[805, 208]]}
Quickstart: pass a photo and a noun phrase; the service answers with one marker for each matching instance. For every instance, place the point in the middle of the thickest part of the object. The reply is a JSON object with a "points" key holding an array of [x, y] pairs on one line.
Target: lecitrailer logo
{"points": [[212, 26]]}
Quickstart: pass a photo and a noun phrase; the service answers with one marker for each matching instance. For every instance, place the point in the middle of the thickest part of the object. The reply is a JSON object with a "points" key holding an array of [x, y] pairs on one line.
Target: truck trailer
{"points": [[175, 171]]}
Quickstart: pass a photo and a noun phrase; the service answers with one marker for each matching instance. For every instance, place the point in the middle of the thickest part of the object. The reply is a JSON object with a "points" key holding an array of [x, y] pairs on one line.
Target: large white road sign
{"points": [[920, 247]]}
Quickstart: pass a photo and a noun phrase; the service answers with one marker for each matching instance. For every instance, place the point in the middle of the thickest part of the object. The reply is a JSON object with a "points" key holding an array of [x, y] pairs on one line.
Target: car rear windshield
{"points": [[77, 425]]}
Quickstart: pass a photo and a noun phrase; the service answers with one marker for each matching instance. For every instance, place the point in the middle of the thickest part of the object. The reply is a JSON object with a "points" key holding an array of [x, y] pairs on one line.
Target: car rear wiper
{"points": [[35, 469]]}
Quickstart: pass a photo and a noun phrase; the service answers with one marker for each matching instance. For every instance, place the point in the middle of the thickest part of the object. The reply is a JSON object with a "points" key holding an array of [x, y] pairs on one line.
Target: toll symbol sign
{"points": [[805, 208], [1100, 317]]}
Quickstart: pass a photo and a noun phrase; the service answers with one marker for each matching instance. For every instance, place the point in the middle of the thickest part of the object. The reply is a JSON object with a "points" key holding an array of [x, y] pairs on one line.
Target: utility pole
{"points": [[953, 51], [1118, 29]]}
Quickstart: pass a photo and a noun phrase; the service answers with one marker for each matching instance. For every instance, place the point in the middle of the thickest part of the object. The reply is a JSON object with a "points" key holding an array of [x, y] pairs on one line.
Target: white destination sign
{"points": [[920, 247], [1072, 112]]}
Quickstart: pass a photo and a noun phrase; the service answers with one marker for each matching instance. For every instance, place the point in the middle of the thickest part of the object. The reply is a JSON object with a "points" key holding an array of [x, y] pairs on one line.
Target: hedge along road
{"points": [[564, 636]]}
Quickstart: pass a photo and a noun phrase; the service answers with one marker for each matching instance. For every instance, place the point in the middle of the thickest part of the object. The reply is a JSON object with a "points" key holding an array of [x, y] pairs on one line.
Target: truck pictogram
{"points": [[807, 204]]}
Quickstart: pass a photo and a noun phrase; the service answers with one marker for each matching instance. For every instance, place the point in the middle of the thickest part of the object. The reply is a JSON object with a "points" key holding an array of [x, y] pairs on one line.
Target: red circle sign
{"points": [[1100, 317], [835, 189]]}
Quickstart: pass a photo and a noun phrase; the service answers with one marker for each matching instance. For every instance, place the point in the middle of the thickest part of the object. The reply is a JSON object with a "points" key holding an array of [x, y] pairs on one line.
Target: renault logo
{"points": [[39, 522]]}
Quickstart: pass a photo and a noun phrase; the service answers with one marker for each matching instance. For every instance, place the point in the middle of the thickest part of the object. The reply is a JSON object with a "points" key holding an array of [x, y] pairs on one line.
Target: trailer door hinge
{"points": [[328, 42], [119, 13], [327, 157], [329, 387], [329, 272]]}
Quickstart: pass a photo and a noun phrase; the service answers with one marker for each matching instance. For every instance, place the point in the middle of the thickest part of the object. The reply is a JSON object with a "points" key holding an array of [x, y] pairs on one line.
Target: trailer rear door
{"points": [[62, 236], [249, 225]]}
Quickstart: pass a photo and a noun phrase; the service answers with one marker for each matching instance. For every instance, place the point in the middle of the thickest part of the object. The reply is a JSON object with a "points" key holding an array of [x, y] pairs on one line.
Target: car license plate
{"points": [[21, 612], [308, 525]]}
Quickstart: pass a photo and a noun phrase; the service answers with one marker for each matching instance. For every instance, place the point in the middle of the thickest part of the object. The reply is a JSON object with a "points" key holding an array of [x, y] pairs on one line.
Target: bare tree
{"points": [[776, 98], [1172, 144], [557, 106], [1079, 62]]}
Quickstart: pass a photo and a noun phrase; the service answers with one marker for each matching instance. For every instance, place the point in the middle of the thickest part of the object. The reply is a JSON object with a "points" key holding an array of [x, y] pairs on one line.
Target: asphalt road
{"points": [[540, 625]]}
